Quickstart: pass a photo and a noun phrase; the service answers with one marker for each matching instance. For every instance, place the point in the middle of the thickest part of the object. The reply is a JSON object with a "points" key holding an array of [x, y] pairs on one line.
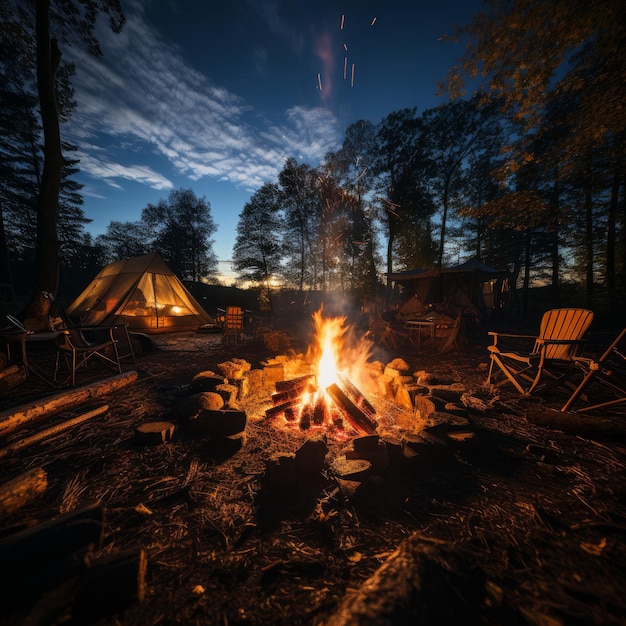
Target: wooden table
{"points": [[415, 328]]}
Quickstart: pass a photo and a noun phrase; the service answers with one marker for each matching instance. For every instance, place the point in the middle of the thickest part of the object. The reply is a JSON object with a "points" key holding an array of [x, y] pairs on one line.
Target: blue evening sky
{"points": [[214, 96]]}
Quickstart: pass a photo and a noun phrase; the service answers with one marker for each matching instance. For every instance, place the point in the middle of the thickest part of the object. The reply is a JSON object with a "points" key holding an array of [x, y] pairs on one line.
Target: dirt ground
{"points": [[522, 523]]}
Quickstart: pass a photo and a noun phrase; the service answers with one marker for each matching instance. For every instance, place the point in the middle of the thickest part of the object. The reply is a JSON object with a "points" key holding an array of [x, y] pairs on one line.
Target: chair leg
{"points": [[506, 372]]}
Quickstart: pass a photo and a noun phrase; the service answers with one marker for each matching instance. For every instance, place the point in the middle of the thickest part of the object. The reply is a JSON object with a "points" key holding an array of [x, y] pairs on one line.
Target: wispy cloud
{"points": [[143, 96]]}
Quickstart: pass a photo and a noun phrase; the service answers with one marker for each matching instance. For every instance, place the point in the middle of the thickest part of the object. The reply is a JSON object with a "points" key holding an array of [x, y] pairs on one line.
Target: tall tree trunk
{"points": [[527, 264], [6, 278], [610, 240], [47, 261], [554, 243], [444, 219], [391, 224], [589, 238]]}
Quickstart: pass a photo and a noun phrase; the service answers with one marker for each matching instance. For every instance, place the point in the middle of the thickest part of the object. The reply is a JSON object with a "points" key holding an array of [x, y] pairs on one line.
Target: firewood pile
{"points": [[184, 495]]}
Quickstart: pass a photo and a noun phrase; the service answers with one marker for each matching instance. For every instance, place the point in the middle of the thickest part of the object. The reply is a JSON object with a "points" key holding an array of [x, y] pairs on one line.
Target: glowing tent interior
{"points": [[142, 292]]}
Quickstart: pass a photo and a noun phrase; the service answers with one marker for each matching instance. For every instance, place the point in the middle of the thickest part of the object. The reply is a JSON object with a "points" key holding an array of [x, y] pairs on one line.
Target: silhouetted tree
{"points": [[42, 26], [258, 246], [182, 227]]}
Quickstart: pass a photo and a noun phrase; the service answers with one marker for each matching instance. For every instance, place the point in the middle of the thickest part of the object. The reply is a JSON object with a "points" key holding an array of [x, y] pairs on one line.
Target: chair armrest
{"points": [[511, 335]]}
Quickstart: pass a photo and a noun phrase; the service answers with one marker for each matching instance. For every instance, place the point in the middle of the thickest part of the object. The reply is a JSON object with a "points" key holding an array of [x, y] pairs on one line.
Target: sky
{"points": [[215, 96]]}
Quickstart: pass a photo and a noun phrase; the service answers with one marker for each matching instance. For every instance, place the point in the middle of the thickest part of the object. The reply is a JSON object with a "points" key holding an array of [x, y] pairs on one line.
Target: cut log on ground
{"points": [[601, 425], [12, 377], [51, 432], [19, 491], [12, 419], [110, 586], [154, 433], [420, 583], [100, 591], [42, 556]]}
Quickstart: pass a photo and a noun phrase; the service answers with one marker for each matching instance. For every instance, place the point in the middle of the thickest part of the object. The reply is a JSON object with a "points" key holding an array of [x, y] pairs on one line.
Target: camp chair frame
{"points": [[76, 351], [550, 361], [234, 325], [603, 371], [77, 346]]}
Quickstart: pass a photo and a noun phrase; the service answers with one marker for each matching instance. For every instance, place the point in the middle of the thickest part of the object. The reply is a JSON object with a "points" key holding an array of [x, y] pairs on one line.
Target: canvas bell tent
{"points": [[142, 292]]}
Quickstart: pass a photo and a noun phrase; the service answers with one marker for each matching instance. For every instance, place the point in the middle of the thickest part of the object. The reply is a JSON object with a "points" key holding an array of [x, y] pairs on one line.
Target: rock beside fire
{"points": [[208, 415], [207, 381], [234, 368], [192, 406]]}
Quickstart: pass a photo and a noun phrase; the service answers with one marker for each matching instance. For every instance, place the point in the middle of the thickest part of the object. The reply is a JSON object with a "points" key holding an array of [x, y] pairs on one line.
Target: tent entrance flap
{"points": [[142, 292]]}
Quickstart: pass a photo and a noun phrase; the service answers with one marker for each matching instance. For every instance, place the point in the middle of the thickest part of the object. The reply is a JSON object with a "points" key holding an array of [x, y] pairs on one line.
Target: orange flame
{"points": [[337, 352]]}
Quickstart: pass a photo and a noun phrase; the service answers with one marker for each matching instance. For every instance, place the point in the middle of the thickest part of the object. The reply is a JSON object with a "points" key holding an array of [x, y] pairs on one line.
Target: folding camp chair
{"points": [[609, 370], [77, 352], [233, 325], [79, 346], [550, 360]]}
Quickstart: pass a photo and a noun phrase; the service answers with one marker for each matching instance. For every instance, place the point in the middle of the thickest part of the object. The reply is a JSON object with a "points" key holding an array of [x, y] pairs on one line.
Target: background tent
{"points": [[472, 289], [142, 292]]}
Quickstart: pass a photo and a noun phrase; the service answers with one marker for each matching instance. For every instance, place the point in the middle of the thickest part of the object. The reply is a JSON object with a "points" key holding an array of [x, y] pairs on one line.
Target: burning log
{"points": [[283, 408], [358, 419], [294, 384], [356, 396], [282, 397]]}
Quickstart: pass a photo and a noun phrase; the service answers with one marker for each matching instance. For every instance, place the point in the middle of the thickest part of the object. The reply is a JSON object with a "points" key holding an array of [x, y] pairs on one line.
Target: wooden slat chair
{"points": [[234, 325], [549, 361], [609, 371]]}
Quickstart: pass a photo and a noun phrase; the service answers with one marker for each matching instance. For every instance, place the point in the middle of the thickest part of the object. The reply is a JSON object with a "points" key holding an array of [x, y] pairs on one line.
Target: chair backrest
{"points": [[565, 325], [233, 318]]}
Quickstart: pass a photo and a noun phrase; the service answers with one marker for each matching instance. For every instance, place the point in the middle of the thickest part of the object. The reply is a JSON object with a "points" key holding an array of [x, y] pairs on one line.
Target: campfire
{"points": [[331, 394]]}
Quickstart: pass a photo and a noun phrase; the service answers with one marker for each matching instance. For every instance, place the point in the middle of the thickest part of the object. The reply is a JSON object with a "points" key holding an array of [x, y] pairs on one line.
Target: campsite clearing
{"points": [[521, 522]]}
